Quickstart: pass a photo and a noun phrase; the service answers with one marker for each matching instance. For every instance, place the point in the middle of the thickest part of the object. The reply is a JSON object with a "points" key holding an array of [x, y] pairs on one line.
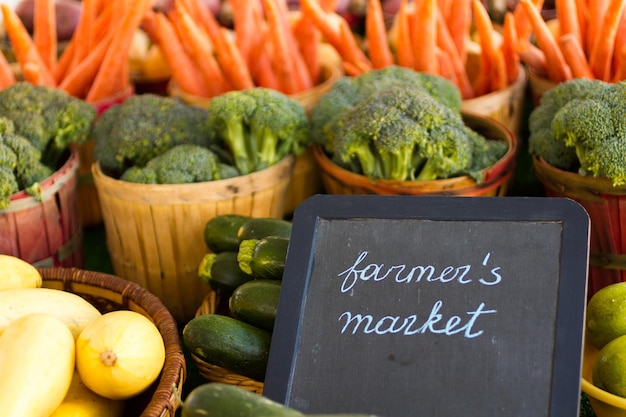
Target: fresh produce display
{"points": [[38, 124], [17, 273], [217, 399], [119, 354], [381, 125], [248, 282], [580, 127], [36, 364]]}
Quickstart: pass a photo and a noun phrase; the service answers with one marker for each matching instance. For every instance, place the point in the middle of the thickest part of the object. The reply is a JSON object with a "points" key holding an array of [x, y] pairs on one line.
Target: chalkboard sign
{"points": [[432, 306]]}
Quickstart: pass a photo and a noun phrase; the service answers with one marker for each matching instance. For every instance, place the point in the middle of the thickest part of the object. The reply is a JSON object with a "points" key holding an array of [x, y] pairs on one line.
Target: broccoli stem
{"points": [[239, 141]]}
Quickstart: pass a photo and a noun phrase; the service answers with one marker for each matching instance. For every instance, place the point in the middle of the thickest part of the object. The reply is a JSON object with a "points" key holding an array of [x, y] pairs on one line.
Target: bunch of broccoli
{"points": [[131, 133], [37, 126], [258, 126], [579, 126], [399, 124], [181, 164]]}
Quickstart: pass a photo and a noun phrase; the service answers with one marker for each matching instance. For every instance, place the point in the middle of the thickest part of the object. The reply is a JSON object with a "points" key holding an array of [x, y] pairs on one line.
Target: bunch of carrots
{"points": [[588, 41], [94, 64], [429, 36], [268, 46]]}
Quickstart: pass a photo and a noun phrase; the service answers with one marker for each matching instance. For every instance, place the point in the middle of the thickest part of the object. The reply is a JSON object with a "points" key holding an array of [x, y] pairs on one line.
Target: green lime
{"points": [[606, 315], [609, 368]]}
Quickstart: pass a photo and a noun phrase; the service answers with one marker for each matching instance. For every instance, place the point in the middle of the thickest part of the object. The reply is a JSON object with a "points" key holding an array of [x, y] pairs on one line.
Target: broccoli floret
{"points": [[594, 127], [541, 140], [404, 134], [22, 159], [347, 92], [144, 126], [181, 164], [258, 126], [6, 125], [485, 153], [48, 117]]}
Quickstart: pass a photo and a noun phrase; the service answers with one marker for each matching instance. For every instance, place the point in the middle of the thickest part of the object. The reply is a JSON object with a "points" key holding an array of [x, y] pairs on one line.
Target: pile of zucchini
{"points": [[244, 266]]}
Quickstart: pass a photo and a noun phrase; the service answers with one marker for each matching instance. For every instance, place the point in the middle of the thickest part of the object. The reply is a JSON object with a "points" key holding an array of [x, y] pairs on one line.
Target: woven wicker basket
{"points": [[108, 293], [214, 373]]}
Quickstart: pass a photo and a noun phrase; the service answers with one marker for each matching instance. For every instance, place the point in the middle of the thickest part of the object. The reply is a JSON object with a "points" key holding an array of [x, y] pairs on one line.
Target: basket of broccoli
{"points": [[577, 139], [39, 128], [164, 168], [397, 131]]}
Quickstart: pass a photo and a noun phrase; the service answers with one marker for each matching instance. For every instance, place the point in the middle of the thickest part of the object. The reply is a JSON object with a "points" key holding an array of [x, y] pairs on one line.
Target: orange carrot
{"points": [[116, 59], [424, 36], [76, 82], [601, 56], [329, 5], [24, 47], [209, 22], [64, 62], [83, 36], [184, 71], [45, 31], [557, 68], [522, 23], [489, 67], [308, 39], [575, 56], [261, 69], [376, 35], [284, 66], [620, 42], [567, 15], [594, 20], [235, 70], [454, 60], [328, 23], [459, 24], [532, 57], [582, 11], [444, 8], [7, 77], [509, 41], [404, 50], [620, 70], [245, 25], [200, 49], [350, 49]]}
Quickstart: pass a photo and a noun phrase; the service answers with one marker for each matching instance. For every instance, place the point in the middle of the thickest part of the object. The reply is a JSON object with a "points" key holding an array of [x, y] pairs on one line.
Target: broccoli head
{"points": [[23, 161], [541, 141], [406, 134], [258, 126], [144, 126], [48, 117], [347, 92], [181, 164], [595, 128]]}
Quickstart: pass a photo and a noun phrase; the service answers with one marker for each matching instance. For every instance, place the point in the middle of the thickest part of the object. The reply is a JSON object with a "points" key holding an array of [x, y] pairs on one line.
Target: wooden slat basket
{"points": [[109, 293], [154, 232], [46, 232], [606, 206], [214, 373]]}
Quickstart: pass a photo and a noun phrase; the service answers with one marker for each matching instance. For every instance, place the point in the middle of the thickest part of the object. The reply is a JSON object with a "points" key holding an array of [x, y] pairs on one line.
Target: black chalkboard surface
{"points": [[432, 306]]}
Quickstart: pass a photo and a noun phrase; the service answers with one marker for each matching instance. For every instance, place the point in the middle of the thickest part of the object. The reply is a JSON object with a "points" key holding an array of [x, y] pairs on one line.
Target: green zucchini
{"points": [[216, 399], [229, 343], [264, 258], [220, 232], [260, 227], [221, 271], [256, 302]]}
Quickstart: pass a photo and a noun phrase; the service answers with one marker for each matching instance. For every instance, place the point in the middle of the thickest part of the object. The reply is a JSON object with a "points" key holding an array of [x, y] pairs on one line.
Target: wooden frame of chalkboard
{"points": [[433, 306]]}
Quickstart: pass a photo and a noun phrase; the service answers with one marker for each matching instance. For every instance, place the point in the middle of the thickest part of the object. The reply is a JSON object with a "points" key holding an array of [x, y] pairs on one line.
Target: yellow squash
{"points": [[120, 354], [71, 309], [36, 366], [80, 401], [17, 273]]}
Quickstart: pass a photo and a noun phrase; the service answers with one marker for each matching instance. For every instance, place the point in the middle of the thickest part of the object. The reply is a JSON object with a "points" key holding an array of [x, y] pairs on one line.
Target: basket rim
{"points": [[164, 399]]}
